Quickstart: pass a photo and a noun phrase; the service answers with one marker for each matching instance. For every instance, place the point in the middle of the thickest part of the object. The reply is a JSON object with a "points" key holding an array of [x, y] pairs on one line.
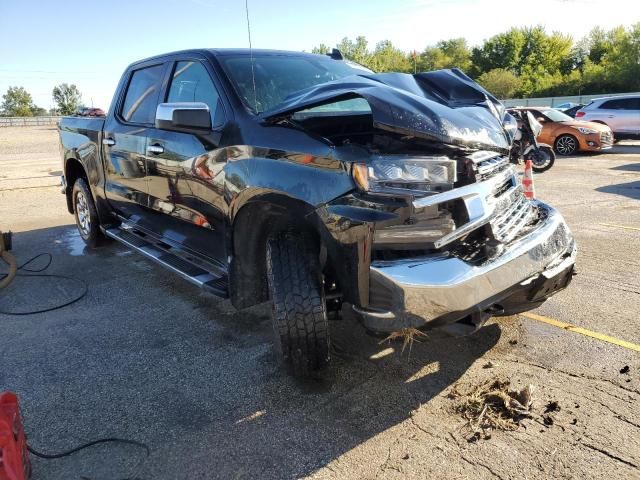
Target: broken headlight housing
{"points": [[410, 174]]}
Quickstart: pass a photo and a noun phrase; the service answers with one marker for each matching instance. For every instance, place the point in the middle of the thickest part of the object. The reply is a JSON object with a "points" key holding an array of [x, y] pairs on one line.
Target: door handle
{"points": [[108, 141], [155, 148]]}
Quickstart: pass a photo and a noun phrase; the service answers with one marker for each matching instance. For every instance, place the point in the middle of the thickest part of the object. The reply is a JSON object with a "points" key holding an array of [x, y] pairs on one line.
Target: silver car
{"points": [[621, 114]]}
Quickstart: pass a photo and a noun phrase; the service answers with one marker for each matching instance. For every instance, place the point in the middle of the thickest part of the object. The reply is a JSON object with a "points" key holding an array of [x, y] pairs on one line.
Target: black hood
{"points": [[443, 106]]}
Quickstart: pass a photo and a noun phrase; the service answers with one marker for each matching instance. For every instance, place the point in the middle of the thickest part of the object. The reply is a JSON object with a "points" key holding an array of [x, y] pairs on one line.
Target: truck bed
{"points": [[79, 132]]}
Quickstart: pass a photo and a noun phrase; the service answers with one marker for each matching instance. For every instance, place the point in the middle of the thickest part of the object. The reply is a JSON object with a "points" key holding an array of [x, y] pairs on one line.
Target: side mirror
{"points": [[183, 117]]}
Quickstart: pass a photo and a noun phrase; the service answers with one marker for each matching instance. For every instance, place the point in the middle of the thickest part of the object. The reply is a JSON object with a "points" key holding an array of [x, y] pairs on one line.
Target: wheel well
{"points": [[252, 227], [565, 135], [73, 170]]}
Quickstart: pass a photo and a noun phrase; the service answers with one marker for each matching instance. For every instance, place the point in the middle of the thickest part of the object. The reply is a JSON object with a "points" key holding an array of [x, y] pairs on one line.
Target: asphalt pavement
{"points": [[146, 356]]}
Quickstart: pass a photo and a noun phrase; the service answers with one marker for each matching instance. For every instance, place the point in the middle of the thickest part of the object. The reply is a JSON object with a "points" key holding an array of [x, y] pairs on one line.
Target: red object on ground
{"points": [[527, 181], [14, 456]]}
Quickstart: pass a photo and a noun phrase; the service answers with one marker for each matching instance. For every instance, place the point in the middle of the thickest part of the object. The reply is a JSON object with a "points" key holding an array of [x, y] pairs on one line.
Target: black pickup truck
{"points": [[310, 181]]}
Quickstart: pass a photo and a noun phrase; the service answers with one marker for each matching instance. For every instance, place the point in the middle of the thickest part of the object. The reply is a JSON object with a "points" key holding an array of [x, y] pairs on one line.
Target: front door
{"points": [[125, 142], [184, 172]]}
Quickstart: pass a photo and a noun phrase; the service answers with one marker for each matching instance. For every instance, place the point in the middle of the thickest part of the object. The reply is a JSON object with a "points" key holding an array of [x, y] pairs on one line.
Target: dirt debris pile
{"points": [[493, 405]]}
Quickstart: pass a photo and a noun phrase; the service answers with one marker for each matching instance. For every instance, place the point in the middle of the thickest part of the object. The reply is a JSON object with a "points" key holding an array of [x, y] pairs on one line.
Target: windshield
{"points": [[278, 76], [556, 116]]}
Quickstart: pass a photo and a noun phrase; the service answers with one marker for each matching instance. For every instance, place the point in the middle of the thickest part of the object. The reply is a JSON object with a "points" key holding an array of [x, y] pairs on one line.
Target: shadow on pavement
{"points": [[149, 357], [625, 147], [631, 189], [630, 167]]}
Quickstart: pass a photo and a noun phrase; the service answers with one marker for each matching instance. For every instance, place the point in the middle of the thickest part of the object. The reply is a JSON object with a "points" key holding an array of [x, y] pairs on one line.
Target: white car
{"points": [[621, 114]]}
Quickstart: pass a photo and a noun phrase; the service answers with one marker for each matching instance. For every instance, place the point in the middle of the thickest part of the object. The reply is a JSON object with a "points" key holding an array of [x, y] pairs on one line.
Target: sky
{"points": [[44, 43]]}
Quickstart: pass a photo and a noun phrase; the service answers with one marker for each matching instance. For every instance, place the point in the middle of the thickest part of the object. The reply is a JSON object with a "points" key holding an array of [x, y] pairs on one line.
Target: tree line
{"points": [[521, 62], [17, 102]]}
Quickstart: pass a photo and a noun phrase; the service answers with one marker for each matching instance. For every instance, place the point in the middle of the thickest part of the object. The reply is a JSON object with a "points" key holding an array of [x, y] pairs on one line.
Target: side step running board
{"points": [[195, 274]]}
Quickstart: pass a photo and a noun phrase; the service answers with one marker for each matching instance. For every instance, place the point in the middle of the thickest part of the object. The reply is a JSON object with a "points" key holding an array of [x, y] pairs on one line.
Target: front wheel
{"points": [[566, 144], [298, 303], [543, 158]]}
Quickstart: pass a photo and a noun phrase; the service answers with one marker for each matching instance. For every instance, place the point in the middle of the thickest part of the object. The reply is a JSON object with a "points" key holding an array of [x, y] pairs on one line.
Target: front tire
{"points": [[566, 145], [542, 159], [85, 213], [298, 305]]}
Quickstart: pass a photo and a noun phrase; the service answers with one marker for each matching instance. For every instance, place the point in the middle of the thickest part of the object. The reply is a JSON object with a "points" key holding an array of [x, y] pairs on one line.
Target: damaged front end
{"points": [[437, 229]]}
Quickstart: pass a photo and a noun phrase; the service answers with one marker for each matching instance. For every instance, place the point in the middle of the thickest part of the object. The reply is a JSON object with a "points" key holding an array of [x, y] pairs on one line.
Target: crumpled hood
{"points": [[443, 106]]}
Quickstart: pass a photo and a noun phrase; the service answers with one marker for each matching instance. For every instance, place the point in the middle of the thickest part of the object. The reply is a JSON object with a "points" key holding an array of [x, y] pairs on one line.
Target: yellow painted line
{"points": [[620, 226], [582, 331]]}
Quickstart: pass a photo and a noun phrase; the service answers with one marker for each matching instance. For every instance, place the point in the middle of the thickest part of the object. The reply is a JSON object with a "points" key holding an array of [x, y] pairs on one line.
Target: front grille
{"points": [[606, 139], [513, 211], [489, 165]]}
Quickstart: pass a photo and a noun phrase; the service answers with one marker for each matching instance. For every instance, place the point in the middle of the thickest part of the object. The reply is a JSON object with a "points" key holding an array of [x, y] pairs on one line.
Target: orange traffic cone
{"points": [[527, 181]]}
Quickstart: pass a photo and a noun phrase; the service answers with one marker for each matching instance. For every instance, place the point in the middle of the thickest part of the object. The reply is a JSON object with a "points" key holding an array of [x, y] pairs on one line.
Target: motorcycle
{"points": [[526, 147]]}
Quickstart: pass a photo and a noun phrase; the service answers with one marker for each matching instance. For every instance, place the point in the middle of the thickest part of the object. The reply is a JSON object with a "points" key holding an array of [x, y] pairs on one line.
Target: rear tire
{"points": [[298, 304], [85, 213]]}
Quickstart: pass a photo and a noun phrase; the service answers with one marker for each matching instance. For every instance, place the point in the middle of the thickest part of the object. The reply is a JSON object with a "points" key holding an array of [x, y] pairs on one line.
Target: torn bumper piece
{"points": [[438, 290]]}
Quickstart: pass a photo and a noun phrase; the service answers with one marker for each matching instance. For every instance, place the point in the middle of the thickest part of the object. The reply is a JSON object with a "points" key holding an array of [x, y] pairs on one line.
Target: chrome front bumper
{"points": [[436, 290]]}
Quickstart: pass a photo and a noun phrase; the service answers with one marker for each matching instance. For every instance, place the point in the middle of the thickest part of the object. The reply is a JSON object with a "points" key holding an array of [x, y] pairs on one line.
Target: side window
{"points": [[618, 104], [142, 95], [191, 83]]}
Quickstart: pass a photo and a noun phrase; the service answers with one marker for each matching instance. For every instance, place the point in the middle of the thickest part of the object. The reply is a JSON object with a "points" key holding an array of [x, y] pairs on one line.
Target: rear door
{"points": [[185, 175], [619, 114], [125, 140], [634, 117]]}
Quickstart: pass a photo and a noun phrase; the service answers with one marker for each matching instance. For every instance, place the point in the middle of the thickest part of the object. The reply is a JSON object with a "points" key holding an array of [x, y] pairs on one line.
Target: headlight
{"points": [[585, 130], [386, 172]]}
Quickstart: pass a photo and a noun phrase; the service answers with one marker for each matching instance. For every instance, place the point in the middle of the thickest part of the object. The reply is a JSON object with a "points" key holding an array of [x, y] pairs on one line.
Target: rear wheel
{"points": [[85, 213], [543, 158], [298, 304], [566, 144]]}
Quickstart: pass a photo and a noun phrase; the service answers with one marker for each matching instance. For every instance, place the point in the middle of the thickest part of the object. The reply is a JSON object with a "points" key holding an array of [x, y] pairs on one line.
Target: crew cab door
{"points": [[125, 140], [184, 169]]}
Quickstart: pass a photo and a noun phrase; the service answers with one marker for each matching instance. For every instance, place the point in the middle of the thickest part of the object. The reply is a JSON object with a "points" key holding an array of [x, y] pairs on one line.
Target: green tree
{"points": [[454, 53], [500, 82], [321, 49], [622, 59], [37, 111], [598, 44], [17, 102], [67, 97], [356, 51], [387, 58], [521, 61], [500, 51]]}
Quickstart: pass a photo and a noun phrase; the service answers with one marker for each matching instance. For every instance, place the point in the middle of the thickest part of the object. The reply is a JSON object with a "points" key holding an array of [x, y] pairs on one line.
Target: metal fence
{"points": [[553, 101], [28, 121]]}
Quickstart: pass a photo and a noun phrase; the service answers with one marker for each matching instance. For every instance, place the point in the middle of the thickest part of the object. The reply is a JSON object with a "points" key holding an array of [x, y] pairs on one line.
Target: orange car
{"points": [[569, 136]]}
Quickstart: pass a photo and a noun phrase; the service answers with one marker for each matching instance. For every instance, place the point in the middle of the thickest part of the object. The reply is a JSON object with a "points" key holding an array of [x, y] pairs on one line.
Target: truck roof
{"points": [[221, 52]]}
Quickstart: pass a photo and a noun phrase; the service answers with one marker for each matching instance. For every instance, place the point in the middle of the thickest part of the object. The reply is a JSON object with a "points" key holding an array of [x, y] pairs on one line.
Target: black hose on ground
{"points": [[14, 271]]}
